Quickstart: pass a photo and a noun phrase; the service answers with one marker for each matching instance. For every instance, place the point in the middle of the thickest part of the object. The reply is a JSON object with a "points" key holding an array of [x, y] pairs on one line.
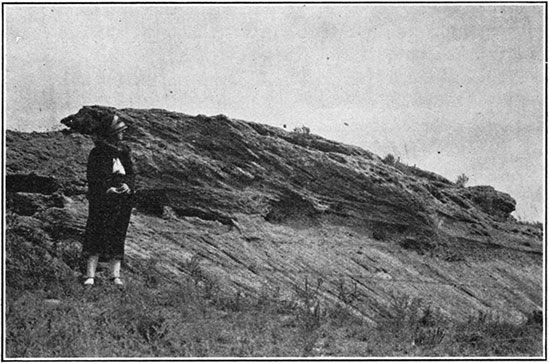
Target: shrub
{"points": [[461, 180], [309, 311], [486, 334], [389, 159], [302, 130]]}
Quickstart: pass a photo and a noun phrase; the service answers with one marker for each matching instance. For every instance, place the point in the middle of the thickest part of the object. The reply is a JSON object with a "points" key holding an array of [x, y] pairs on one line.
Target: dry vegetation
{"points": [[49, 314]]}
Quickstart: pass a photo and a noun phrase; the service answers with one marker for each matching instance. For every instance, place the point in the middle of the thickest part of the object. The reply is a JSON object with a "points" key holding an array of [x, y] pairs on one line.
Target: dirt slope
{"points": [[279, 213]]}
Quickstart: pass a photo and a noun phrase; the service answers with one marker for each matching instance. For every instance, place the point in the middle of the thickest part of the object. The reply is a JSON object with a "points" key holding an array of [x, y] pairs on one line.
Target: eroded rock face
{"points": [[490, 201], [219, 167], [266, 207]]}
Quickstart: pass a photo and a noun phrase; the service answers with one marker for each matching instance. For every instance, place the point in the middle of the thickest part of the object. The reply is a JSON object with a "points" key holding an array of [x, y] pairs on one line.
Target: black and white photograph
{"points": [[281, 181]]}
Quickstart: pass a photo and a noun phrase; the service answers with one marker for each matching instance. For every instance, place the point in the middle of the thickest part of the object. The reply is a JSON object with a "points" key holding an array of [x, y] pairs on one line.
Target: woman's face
{"points": [[118, 136]]}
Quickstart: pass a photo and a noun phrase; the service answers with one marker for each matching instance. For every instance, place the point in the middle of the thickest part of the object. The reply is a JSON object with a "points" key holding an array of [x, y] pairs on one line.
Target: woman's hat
{"points": [[117, 125]]}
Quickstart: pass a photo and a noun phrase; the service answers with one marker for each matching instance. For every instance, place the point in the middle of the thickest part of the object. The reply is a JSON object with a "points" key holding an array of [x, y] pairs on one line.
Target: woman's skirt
{"points": [[106, 228]]}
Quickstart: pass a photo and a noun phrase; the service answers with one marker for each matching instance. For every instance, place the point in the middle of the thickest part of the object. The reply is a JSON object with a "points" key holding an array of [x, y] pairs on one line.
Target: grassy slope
{"points": [[49, 314]]}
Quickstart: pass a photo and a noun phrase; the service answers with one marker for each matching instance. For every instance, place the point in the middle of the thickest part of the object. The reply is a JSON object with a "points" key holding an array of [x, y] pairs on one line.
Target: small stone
{"points": [[52, 302], [383, 276]]}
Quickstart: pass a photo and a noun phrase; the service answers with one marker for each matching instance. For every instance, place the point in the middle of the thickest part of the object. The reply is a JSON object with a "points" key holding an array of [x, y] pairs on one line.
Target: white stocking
{"points": [[92, 265], [115, 268]]}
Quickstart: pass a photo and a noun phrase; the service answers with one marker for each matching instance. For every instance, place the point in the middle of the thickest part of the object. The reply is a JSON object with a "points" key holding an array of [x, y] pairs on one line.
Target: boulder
{"points": [[491, 201]]}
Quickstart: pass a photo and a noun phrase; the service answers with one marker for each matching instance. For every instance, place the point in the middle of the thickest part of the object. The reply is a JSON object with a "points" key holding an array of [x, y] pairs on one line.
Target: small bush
{"points": [[461, 180], [535, 224], [486, 335], [309, 311], [389, 159], [302, 130]]}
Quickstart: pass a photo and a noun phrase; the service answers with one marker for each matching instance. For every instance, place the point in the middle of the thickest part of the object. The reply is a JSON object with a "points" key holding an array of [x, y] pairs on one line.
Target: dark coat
{"points": [[108, 214]]}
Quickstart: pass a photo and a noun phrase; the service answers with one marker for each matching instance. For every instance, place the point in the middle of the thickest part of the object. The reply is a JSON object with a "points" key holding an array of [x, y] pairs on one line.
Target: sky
{"points": [[451, 88]]}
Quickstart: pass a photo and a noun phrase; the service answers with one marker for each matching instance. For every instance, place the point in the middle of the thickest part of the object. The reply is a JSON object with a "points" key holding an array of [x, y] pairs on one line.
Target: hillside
{"points": [[255, 211]]}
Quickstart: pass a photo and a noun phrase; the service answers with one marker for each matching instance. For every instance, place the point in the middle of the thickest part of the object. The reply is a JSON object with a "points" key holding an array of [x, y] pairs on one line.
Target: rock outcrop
{"points": [[490, 201], [264, 208]]}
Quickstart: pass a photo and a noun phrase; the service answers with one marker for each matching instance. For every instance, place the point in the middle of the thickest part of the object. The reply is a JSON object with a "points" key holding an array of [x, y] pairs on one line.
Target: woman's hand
{"points": [[123, 189]]}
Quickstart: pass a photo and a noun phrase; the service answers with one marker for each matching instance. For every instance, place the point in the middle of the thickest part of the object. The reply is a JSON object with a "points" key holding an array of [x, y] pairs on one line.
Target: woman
{"points": [[110, 188]]}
